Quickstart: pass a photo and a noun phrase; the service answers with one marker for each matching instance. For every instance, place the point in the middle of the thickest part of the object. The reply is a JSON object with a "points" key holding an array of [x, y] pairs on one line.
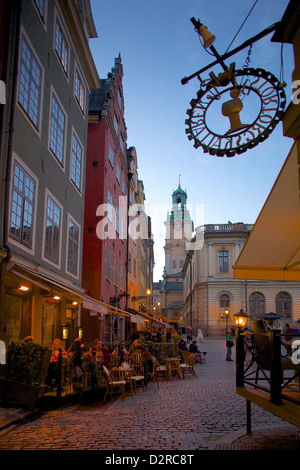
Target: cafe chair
{"points": [[263, 353], [159, 370], [113, 386], [188, 365], [131, 377], [136, 361]]}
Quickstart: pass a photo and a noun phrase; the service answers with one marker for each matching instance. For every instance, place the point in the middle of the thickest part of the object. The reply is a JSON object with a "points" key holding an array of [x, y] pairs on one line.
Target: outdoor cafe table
{"points": [[173, 363]]}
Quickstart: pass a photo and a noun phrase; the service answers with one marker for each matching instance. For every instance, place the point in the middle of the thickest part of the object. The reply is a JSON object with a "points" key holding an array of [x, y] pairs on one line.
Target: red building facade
{"points": [[105, 222]]}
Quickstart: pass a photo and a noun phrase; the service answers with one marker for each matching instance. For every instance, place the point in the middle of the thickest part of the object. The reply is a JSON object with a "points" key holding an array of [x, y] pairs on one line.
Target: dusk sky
{"points": [[158, 47]]}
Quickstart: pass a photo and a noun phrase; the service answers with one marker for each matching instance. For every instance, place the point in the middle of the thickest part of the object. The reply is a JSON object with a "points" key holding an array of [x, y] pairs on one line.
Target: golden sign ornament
{"points": [[255, 91]]}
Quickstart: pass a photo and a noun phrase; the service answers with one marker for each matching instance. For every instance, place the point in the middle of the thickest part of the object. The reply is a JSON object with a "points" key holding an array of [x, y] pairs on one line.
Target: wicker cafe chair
{"points": [[113, 386], [159, 370], [136, 361], [188, 365], [131, 376]]}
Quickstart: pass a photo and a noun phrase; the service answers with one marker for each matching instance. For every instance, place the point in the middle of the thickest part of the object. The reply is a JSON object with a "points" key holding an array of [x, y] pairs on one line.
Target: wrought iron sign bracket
{"points": [[258, 89]]}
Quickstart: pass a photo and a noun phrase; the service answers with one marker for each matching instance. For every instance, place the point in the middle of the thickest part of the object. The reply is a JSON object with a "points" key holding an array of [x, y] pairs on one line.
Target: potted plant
{"points": [[25, 372]]}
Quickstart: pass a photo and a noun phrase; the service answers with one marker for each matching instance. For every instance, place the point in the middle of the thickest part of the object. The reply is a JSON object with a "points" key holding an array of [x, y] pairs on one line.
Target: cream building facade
{"points": [[209, 288]]}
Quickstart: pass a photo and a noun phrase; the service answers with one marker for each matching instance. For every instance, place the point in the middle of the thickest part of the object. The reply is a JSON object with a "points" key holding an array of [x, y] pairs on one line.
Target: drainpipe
{"points": [[17, 13]]}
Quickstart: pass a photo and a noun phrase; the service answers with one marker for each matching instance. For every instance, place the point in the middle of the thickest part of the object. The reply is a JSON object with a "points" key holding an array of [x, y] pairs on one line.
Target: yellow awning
{"points": [[272, 250]]}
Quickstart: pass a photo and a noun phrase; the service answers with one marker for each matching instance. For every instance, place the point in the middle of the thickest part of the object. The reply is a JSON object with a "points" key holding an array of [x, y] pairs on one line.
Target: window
{"points": [[283, 304], [223, 261], [116, 124], [123, 187], [30, 84], [119, 99], [174, 264], [110, 206], [116, 272], [224, 304], [118, 173], [79, 91], [122, 143], [53, 229], [257, 303], [117, 219], [73, 248], [108, 260], [40, 4], [129, 261], [111, 156], [23, 197], [76, 163], [57, 132], [61, 47]]}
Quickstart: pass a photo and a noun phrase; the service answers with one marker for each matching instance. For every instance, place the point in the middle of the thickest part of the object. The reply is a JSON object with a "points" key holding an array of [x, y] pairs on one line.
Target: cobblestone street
{"points": [[190, 414]]}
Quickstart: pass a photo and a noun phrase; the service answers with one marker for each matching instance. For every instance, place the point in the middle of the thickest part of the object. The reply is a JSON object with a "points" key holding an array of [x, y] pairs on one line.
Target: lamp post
{"points": [[226, 317], [241, 319]]}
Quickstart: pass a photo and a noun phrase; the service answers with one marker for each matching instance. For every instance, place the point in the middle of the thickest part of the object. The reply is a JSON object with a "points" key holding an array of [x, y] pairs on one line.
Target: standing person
{"points": [[288, 329], [189, 335], [199, 336], [229, 345]]}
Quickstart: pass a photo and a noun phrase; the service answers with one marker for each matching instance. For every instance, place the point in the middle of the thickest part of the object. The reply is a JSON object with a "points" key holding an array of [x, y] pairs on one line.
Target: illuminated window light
{"points": [[24, 288]]}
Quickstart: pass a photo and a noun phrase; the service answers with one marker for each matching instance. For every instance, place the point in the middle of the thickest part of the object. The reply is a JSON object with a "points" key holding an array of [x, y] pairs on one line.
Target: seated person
{"points": [[194, 349]]}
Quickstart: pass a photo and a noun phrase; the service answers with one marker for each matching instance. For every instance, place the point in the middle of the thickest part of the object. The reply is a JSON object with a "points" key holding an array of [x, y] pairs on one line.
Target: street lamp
{"points": [[226, 316], [139, 297], [241, 318]]}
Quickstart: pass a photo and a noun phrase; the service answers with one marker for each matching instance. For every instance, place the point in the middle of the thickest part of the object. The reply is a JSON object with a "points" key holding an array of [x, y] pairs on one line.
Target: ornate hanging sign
{"points": [[237, 109], [261, 95]]}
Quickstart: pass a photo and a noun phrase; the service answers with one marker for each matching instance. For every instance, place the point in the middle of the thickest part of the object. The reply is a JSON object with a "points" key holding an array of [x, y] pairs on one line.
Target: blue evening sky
{"points": [[158, 47]]}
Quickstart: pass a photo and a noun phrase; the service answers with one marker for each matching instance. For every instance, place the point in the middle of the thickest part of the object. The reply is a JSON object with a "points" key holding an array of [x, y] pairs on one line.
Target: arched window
{"points": [[257, 303], [174, 264], [224, 304], [284, 304]]}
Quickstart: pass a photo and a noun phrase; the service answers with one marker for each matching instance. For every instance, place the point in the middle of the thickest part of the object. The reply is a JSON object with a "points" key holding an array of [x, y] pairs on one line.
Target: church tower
{"points": [[179, 230]]}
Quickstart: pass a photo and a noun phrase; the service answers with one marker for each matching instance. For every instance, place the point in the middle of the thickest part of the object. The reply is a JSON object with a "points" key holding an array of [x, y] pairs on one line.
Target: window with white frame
{"points": [[122, 143], [76, 163], [61, 47], [223, 261], [257, 303], [110, 206], [79, 90], [284, 304], [40, 4], [52, 231], [116, 124], [73, 248], [30, 83], [111, 156], [108, 265], [117, 219], [224, 305], [57, 130], [22, 207], [119, 98], [118, 174]]}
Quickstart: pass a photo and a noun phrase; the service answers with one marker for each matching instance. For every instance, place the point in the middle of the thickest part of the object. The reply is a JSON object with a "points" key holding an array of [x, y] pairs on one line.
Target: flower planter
{"points": [[20, 393]]}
